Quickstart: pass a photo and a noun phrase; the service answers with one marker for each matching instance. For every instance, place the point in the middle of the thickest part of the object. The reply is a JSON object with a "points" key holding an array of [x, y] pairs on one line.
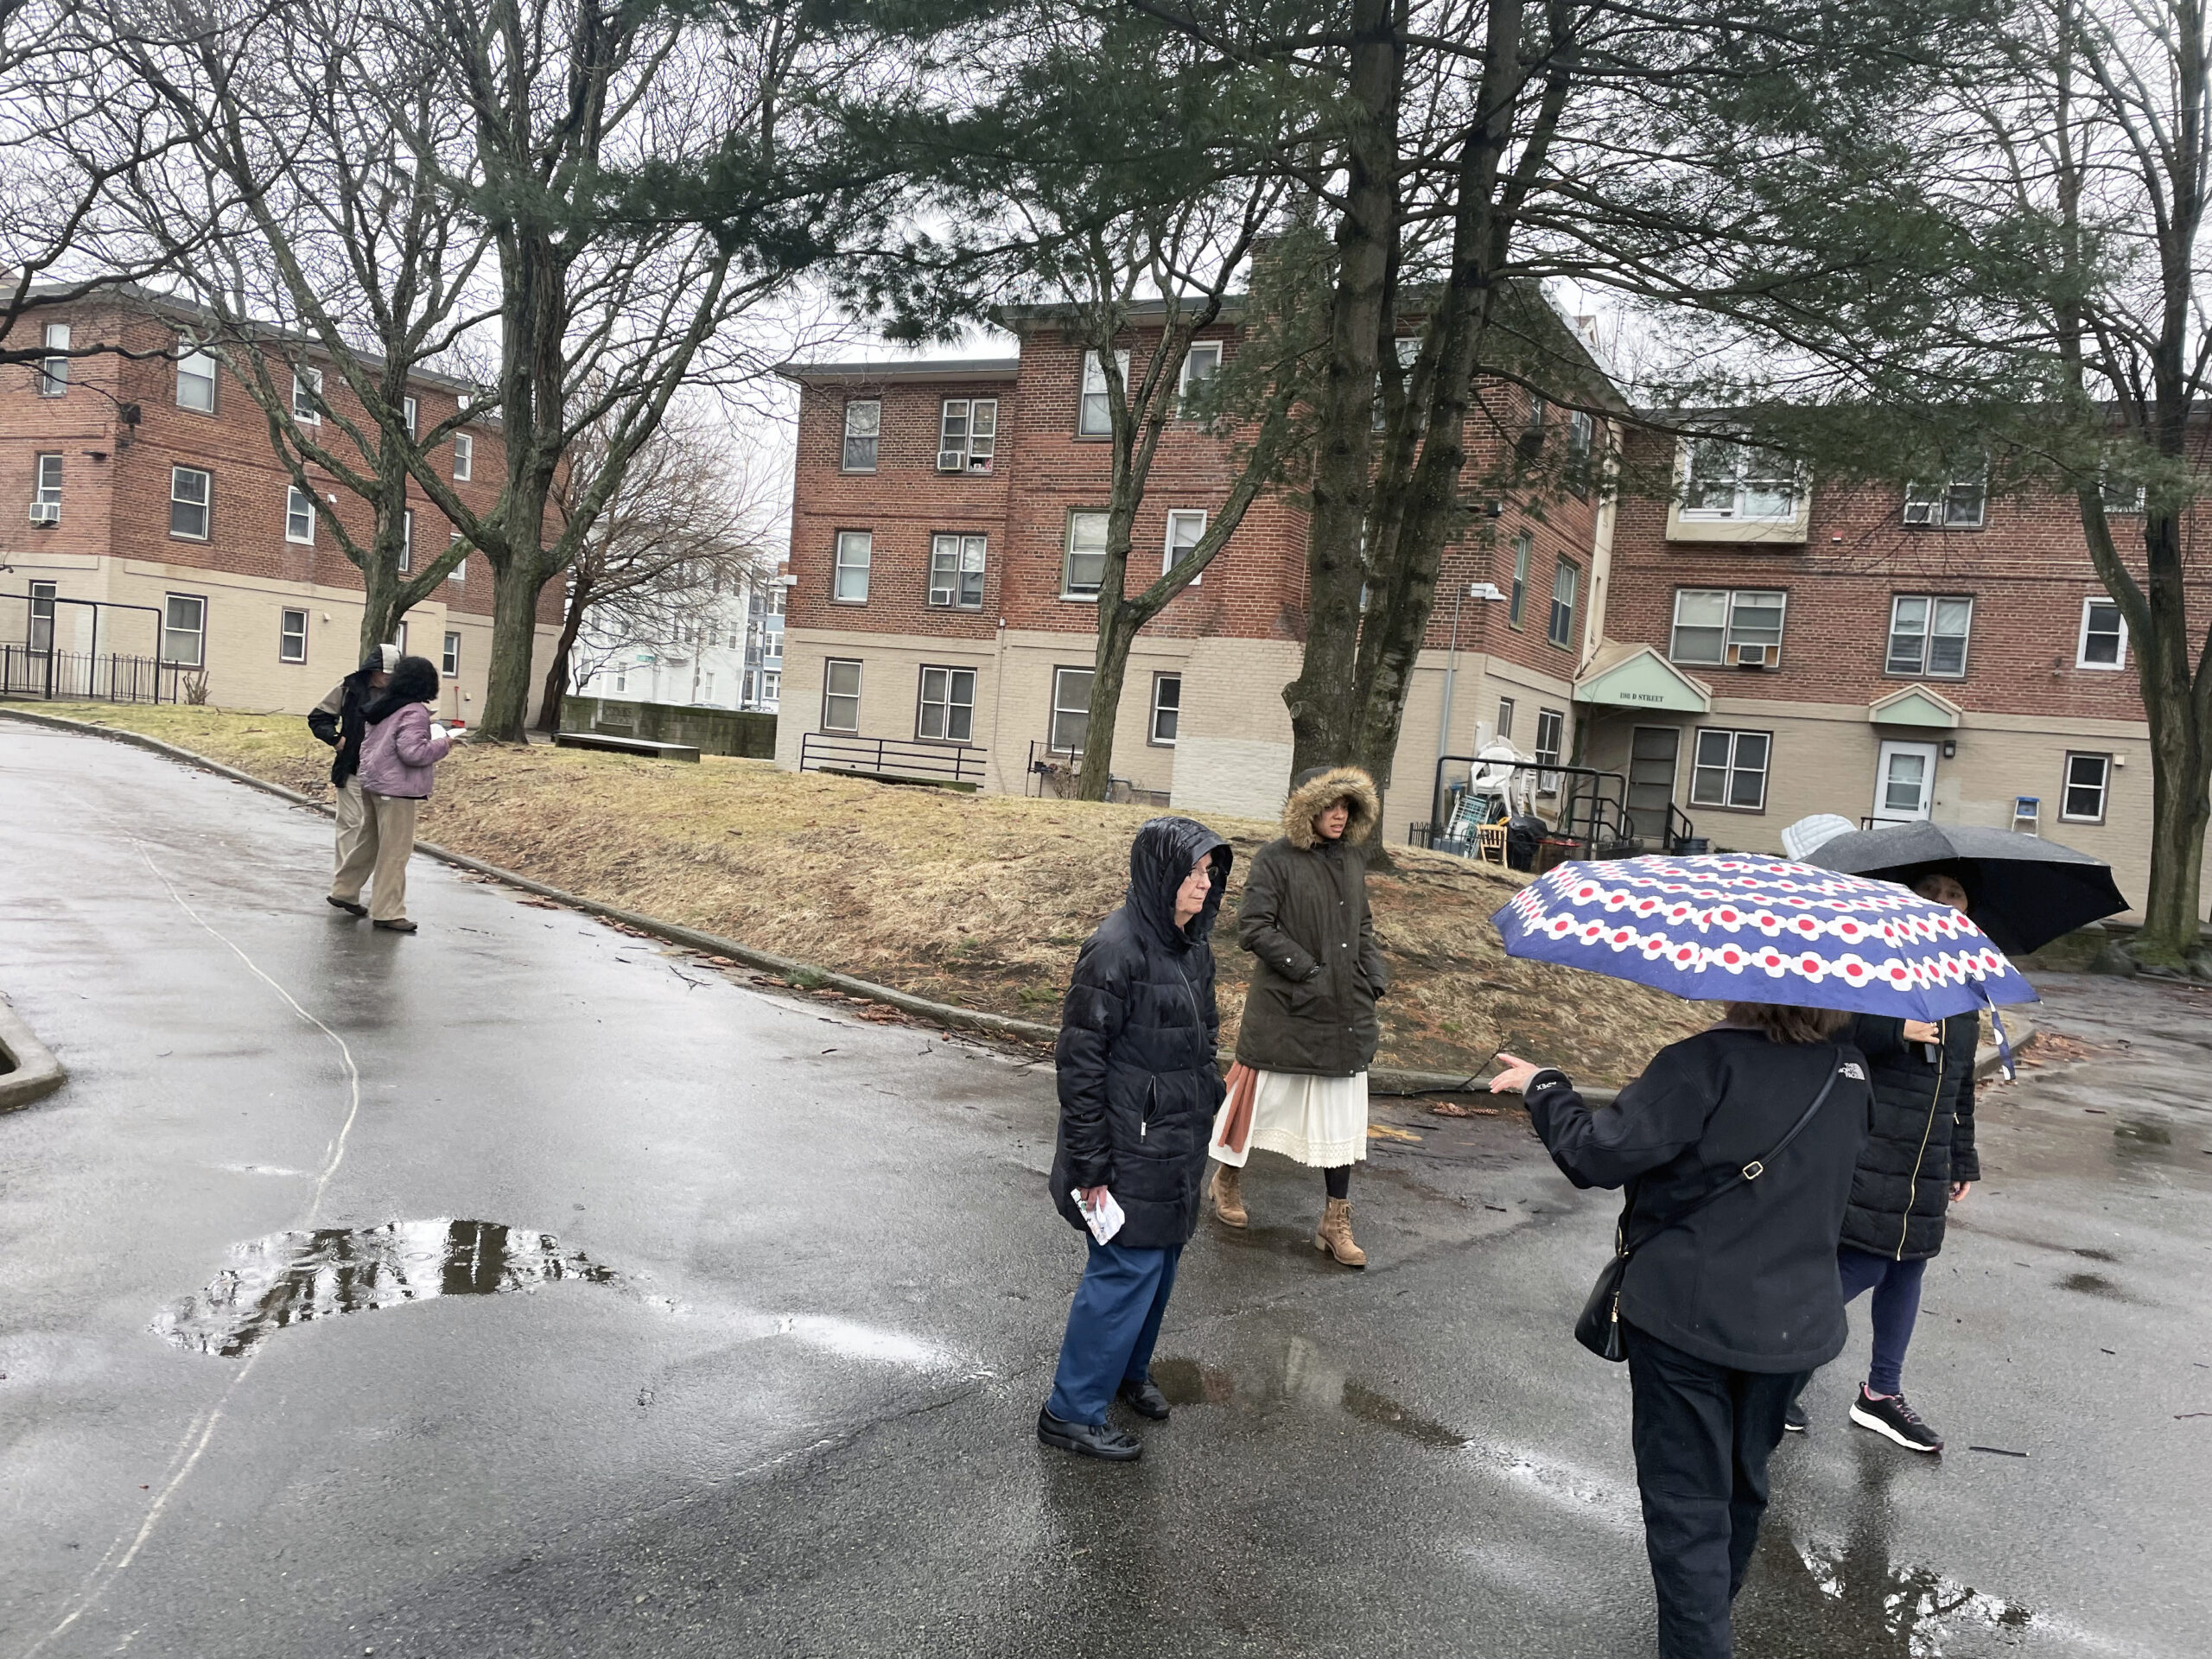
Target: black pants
{"points": [[1703, 1433]]}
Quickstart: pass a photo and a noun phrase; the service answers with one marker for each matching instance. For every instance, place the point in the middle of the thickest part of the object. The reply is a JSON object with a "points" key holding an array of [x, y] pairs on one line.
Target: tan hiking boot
{"points": [[1229, 1197], [1335, 1236]]}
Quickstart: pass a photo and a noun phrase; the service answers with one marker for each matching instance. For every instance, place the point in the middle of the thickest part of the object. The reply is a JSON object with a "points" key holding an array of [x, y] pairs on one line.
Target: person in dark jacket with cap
{"points": [[1137, 1086], [1730, 1297], [338, 721], [1919, 1160]]}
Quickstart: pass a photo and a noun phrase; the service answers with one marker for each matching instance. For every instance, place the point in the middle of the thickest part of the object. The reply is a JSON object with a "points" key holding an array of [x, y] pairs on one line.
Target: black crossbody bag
{"points": [[1598, 1329]]}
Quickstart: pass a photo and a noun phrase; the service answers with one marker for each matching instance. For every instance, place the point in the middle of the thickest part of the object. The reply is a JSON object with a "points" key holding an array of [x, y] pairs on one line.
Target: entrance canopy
{"points": [[1916, 705], [1625, 676]]}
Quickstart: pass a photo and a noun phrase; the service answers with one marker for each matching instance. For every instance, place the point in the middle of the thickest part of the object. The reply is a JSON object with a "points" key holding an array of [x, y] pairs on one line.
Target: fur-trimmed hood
{"points": [[1312, 791]]}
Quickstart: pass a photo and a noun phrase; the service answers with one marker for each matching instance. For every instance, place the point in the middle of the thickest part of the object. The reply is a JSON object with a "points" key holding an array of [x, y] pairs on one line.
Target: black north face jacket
{"points": [[1138, 1080], [1922, 1138]]}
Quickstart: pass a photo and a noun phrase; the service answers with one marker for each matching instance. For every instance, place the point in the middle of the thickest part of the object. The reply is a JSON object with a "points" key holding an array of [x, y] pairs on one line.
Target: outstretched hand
{"points": [[1513, 1078]]}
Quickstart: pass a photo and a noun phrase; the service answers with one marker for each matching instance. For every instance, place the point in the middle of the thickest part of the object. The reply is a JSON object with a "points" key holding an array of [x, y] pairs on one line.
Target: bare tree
{"points": [[681, 534]]}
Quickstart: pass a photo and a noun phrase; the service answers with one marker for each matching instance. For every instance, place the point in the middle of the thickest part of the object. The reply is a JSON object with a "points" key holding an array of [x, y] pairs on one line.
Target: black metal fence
{"points": [[890, 758], [1058, 773], [81, 676], [55, 647]]}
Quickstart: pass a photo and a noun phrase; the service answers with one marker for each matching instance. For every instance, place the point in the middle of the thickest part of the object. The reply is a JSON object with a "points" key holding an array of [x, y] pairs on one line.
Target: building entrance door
{"points": [[1652, 755], [1905, 783]]}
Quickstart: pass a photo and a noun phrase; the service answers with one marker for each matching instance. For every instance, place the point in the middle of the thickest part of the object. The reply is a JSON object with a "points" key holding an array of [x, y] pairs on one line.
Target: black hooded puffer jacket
{"points": [[1921, 1138], [1138, 1079]]}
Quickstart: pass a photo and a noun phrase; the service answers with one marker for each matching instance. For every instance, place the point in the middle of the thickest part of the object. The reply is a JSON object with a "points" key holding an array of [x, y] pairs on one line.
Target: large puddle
{"points": [[291, 1278]]}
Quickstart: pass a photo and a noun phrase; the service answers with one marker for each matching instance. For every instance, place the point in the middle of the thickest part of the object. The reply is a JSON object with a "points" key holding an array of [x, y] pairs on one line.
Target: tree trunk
{"points": [[557, 672], [2181, 811], [514, 639], [1110, 670]]}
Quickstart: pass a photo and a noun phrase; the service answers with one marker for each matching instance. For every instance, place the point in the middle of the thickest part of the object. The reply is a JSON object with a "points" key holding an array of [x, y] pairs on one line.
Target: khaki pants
{"points": [[376, 837]]}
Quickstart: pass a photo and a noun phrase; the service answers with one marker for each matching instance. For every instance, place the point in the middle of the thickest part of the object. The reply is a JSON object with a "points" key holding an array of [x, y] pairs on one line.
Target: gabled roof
{"points": [[1624, 674], [1915, 705]]}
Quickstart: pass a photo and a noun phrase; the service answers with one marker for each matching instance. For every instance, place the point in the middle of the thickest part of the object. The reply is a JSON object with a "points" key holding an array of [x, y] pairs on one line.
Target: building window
{"points": [[1581, 434], [1928, 635], [464, 457], [947, 713], [2104, 636], [449, 659], [460, 571], [306, 397], [399, 637], [184, 631], [1565, 578], [855, 549], [1725, 481], [406, 540], [956, 572], [2121, 494], [1524, 548], [1071, 709], [43, 595], [1166, 707], [409, 415], [53, 372], [191, 490], [1551, 732], [1505, 720], [1201, 366], [967, 431], [196, 382], [1727, 625], [1186, 528], [1956, 504], [1729, 769], [299, 516], [621, 683], [1084, 568], [291, 636], [1094, 413], [863, 427], [841, 695], [2088, 780], [46, 489]]}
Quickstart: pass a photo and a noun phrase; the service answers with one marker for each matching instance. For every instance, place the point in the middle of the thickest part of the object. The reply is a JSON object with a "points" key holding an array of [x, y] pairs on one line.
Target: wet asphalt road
{"points": [[797, 1419]]}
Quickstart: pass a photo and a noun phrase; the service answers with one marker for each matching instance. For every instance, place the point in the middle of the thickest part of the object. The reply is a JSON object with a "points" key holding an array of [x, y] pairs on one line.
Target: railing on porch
{"points": [[890, 757], [80, 677]]}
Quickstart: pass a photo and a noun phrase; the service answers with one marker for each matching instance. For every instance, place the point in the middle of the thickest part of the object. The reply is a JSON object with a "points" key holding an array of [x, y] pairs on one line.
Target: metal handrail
{"points": [[890, 757]]}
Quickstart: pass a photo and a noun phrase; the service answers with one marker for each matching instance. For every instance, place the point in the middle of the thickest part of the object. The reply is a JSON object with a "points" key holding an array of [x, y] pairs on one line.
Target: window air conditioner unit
{"points": [[1921, 512], [1751, 656], [951, 461], [46, 512]]}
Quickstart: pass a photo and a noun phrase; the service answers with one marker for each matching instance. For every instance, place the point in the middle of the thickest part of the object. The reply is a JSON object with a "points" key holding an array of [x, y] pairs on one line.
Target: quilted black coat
{"points": [[1921, 1138], [1138, 1080]]}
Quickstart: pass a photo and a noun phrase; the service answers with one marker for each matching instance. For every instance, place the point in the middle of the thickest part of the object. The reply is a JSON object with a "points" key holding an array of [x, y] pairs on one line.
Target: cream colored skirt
{"points": [[1320, 1121]]}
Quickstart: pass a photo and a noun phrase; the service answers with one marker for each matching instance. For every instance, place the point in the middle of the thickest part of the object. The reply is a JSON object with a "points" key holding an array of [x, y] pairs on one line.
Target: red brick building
{"points": [[152, 490]]}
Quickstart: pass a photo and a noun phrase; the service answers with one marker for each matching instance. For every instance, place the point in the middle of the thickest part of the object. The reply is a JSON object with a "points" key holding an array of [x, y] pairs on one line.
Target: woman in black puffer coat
{"points": [[1138, 1086], [1918, 1161]]}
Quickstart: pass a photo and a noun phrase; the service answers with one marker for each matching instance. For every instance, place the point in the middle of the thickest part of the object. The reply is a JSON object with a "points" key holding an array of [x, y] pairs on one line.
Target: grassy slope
{"points": [[975, 899]]}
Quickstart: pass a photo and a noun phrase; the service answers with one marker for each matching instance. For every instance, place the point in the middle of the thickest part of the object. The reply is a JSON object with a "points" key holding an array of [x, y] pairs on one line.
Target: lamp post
{"points": [[1487, 592]]}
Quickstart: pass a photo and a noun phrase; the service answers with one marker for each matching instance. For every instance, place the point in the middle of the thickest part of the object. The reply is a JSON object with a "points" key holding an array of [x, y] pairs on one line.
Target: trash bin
{"points": [[1691, 846], [1522, 836]]}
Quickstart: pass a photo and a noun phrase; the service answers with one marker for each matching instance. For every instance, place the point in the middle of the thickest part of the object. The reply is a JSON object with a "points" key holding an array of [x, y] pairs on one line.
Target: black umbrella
{"points": [[2023, 891]]}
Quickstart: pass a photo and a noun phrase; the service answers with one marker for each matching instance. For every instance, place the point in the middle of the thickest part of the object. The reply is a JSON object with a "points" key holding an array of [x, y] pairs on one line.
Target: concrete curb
{"points": [[32, 1069]]}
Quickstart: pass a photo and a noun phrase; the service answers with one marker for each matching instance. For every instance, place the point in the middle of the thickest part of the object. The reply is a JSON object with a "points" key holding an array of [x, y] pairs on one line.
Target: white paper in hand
{"points": [[1104, 1219]]}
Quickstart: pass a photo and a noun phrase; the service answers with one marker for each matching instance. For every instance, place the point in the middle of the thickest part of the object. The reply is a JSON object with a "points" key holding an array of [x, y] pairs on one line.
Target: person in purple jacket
{"points": [[400, 749]]}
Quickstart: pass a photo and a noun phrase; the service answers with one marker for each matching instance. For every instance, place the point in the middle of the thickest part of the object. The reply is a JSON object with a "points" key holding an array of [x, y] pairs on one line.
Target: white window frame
{"points": [[1524, 554], [53, 372], [848, 437], [299, 516], [196, 367], [410, 412], [41, 608], [406, 541], [842, 566], [288, 636], [970, 450], [1943, 506], [1731, 768], [2067, 787], [1581, 434], [197, 633], [1926, 669], [1729, 641], [205, 503], [2081, 639], [945, 702], [1062, 707], [450, 655], [460, 571], [1553, 626], [1551, 724], [1173, 710], [399, 636], [1206, 351], [831, 694], [307, 381], [1505, 720], [1068, 588], [46, 485], [1093, 385], [1745, 483], [464, 458], [953, 573], [1182, 516]]}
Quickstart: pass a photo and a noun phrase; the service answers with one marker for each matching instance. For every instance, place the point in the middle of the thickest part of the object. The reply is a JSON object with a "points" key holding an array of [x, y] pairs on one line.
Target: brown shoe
{"points": [[1229, 1197], [1335, 1236]]}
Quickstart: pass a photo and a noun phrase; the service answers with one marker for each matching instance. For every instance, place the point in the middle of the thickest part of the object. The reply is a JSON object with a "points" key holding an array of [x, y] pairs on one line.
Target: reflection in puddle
{"points": [[1306, 1378], [1876, 1610], [2143, 1132], [2089, 1284], [1370, 1406], [291, 1278], [1186, 1383]]}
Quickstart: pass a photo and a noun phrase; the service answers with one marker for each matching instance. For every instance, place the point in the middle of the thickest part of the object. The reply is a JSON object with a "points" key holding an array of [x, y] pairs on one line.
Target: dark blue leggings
{"points": [[1896, 1286]]}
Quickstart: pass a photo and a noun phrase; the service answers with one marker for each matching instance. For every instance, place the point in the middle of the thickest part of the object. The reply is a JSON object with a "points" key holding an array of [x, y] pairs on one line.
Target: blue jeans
{"points": [[1896, 1286], [1112, 1326]]}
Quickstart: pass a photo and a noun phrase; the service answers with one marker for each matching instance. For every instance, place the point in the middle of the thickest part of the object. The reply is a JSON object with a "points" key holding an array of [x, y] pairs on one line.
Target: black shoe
{"points": [[401, 926], [1897, 1420], [345, 904], [1793, 1419], [1143, 1397], [1089, 1439]]}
